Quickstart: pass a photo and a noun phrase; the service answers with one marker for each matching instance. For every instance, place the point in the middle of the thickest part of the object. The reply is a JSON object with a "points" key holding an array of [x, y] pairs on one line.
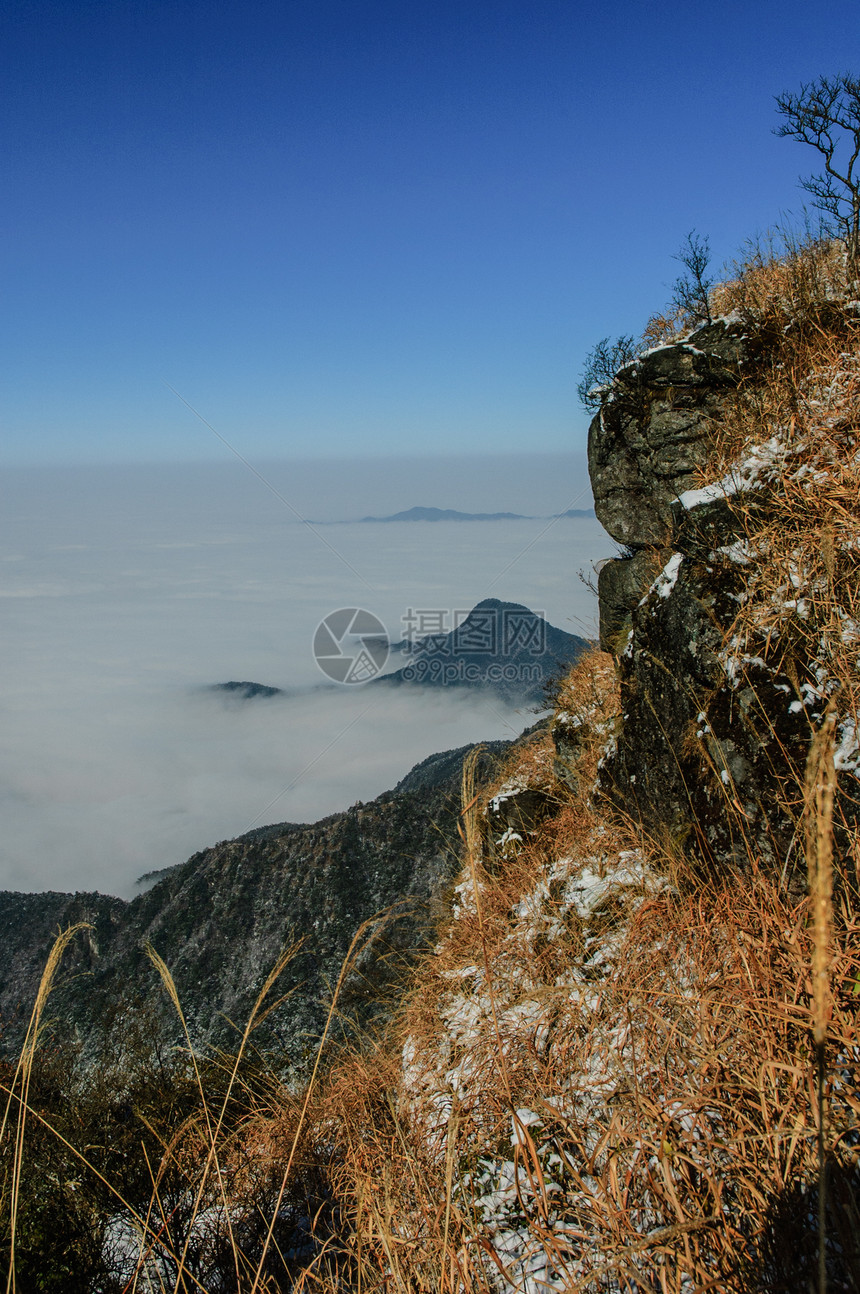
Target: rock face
{"points": [[652, 432], [645, 446], [701, 761], [664, 609], [710, 752]]}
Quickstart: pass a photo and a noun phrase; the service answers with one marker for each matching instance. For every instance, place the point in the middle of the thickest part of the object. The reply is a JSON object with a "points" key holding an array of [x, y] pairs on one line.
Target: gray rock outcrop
{"points": [[652, 432], [710, 751], [645, 446]]}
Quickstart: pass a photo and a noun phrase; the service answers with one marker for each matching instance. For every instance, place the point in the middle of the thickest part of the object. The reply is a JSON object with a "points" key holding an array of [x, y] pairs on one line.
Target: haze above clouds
{"points": [[127, 592]]}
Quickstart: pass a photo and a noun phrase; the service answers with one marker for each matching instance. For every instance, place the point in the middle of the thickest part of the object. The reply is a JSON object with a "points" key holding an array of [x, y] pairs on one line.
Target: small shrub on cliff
{"points": [[690, 306], [692, 289], [601, 365]]}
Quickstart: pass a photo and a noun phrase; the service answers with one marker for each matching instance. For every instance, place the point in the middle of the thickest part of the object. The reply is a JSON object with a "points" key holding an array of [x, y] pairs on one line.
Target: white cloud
{"points": [[122, 606]]}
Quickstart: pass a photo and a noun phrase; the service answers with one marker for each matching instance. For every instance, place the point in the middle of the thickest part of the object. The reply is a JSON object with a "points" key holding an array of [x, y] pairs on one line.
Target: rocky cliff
{"points": [[612, 1052], [731, 610]]}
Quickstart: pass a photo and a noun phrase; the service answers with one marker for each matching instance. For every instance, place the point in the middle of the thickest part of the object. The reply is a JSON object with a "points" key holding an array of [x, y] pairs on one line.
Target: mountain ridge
{"points": [[256, 892], [452, 514]]}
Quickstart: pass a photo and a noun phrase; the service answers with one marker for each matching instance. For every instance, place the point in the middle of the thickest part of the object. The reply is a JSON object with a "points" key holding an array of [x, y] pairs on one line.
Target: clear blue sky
{"points": [[347, 227]]}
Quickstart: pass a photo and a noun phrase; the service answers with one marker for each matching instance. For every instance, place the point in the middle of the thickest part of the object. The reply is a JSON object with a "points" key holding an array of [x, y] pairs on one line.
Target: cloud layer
{"points": [[115, 759]]}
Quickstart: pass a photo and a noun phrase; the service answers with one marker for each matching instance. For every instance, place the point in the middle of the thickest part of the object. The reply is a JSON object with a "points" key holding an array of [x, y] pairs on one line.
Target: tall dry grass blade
{"points": [[370, 925], [469, 796], [820, 791], [471, 836], [212, 1153], [23, 1073]]}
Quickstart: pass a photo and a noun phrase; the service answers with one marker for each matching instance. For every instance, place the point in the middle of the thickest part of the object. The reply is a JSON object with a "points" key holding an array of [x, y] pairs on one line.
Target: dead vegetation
{"points": [[628, 1094], [607, 1075], [627, 1104]]}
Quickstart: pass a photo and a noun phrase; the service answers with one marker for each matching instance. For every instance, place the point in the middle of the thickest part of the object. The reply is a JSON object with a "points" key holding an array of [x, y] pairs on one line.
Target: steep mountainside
{"points": [[632, 1061], [221, 920]]}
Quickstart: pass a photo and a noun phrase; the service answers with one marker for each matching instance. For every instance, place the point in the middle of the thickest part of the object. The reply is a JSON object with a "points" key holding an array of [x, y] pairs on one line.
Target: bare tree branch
{"points": [[601, 365], [825, 114], [691, 291]]}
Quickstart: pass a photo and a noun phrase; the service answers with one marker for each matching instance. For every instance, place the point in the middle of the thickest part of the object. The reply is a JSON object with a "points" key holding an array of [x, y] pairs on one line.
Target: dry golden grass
{"points": [[645, 1071], [664, 328], [788, 452], [786, 275], [663, 1107], [530, 763], [586, 701], [603, 1079]]}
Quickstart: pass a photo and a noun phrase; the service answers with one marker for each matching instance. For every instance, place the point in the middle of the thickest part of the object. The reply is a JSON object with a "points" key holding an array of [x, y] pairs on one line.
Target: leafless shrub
{"points": [[601, 365], [691, 290]]}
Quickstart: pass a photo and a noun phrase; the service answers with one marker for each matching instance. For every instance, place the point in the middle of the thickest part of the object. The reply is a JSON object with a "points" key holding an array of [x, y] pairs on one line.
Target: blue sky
{"points": [[366, 227]]}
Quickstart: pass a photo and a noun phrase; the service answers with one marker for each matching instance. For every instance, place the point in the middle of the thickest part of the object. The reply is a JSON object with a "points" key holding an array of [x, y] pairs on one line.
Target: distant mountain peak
{"points": [[449, 514], [246, 690], [499, 646], [496, 604]]}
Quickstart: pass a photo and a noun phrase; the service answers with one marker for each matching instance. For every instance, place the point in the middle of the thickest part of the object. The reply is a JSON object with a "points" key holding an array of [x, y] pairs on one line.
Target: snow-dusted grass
{"points": [[602, 1081], [605, 1076], [788, 461]]}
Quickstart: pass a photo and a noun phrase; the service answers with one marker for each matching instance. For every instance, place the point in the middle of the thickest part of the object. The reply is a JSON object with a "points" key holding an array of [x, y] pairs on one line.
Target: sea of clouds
{"points": [[126, 593]]}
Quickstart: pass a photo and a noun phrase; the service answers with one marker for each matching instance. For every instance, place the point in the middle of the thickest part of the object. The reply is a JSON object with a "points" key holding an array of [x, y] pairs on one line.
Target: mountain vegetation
{"points": [[260, 893]]}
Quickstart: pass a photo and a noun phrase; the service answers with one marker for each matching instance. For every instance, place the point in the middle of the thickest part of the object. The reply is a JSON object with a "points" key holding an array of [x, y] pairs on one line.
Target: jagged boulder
{"points": [[647, 443], [653, 431], [621, 583], [514, 812]]}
